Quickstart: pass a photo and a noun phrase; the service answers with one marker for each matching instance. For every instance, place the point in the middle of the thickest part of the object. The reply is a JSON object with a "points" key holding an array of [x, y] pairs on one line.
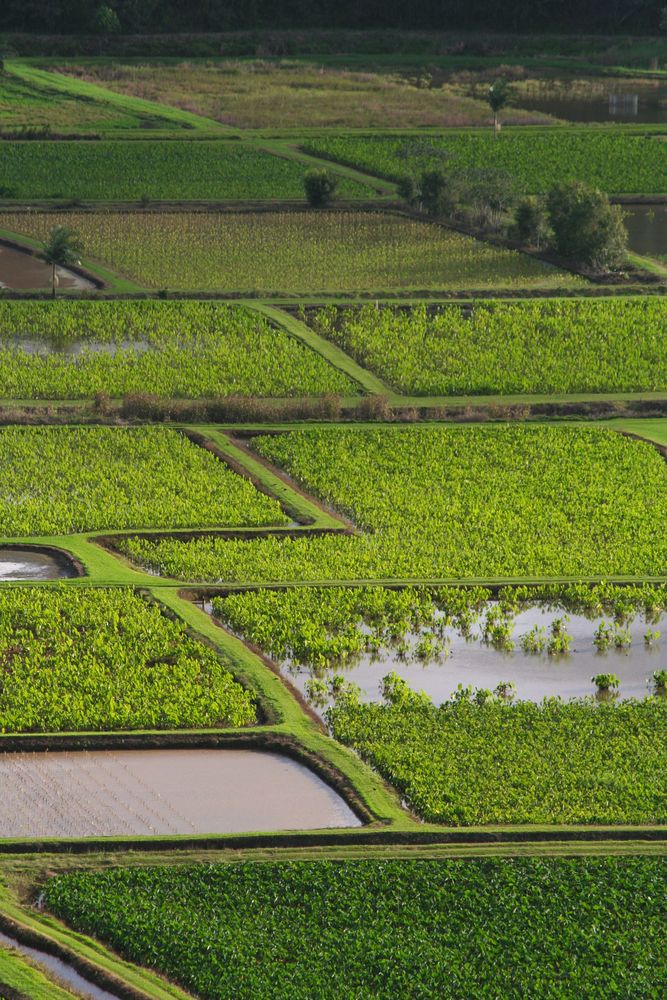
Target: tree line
{"points": [[625, 17]]}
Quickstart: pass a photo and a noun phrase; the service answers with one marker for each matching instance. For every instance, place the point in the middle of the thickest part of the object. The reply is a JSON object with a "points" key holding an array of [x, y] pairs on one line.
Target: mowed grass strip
{"points": [[64, 480], [525, 927], [301, 252], [617, 162], [74, 350], [478, 502], [128, 170], [96, 659], [545, 346]]}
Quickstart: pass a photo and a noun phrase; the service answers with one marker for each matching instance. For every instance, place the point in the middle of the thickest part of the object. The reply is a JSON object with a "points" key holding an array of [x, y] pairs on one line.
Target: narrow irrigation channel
{"points": [[63, 972]]}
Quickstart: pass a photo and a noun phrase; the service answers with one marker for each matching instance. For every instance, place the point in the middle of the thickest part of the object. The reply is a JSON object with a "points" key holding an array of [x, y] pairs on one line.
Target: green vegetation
{"points": [[559, 345], [20, 976], [525, 927], [475, 761], [28, 106], [93, 659], [263, 93], [71, 350], [127, 170], [58, 480], [616, 162], [293, 252], [466, 501]]}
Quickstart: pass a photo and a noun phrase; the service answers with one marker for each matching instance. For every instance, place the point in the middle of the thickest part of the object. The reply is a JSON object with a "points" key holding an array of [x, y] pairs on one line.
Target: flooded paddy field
{"points": [[473, 661], [19, 270], [647, 229], [643, 102], [162, 792], [35, 564]]}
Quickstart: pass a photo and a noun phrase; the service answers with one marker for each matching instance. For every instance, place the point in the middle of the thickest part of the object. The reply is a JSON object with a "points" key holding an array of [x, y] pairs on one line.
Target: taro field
{"points": [[76, 350], [129, 170], [508, 501], [535, 160], [292, 252], [546, 346]]}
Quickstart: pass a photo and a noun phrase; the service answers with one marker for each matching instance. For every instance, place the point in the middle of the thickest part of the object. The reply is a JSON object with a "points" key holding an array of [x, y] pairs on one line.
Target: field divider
{"points": [[331, 353], [87, 956], [280, 147]]}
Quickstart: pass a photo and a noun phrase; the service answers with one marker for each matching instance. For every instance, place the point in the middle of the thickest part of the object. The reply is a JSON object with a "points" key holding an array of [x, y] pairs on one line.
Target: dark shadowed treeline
{"points": [[157, 16]]}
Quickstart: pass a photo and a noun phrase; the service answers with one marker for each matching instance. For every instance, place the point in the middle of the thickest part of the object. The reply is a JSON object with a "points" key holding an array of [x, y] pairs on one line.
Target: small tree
{"points": [[530, 222], [62, 249], [439, 192], [320, 187], [586, 227], [105, 20], [498, 97]]}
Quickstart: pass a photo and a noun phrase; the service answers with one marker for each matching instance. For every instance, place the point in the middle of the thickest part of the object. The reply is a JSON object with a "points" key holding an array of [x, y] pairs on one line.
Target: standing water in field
{"points": [[64, 973], [647, 229], [152, 792], [34, 564], [471, 661], [21, 270]]}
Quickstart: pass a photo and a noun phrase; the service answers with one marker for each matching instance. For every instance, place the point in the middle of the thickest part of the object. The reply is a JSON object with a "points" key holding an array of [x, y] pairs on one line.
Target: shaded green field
{"points": [[291, 252], [552, 928], [73, 350], [617, 162], [482, 502], [128, 170], [545, 346]]}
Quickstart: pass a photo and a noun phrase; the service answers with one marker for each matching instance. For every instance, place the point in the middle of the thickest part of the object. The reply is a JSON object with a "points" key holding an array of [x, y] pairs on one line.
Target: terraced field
{"points": [[617, 162], [291, 252], [477, 502], [72, 350]]}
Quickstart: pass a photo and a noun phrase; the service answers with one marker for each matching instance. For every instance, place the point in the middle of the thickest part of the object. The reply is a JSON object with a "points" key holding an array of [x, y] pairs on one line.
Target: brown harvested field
{"points": [[258, 94]]}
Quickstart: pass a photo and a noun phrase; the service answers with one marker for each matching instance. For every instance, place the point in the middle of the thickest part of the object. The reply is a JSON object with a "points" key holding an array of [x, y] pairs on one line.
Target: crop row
{"points": [[68, 350], [95, 659], [61, 480], [463, 501], [293, 252], [559, 345], [489, 761], [523, 927], [127, 170], [616, 162]]}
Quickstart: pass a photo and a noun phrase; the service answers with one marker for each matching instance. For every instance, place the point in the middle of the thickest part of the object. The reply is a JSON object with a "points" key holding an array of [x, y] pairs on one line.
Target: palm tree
{"points": [[498, 97], [61, 249]]}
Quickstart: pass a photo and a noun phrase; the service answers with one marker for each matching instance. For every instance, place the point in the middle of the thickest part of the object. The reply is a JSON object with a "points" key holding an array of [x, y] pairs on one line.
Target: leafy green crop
{"points": [[84, 658], [293, 252], [67, 350], [465, 501], [125, 170], [553, 928], [559, 345], [466, 763], [61, 480], [617, 162]]}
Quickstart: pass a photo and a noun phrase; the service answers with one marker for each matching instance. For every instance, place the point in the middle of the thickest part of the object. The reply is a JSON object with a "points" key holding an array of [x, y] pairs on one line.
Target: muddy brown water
{"points": [[31, 564], [647, 229], [63, 973], [536, 675], [152, 792], [21, 270]]}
